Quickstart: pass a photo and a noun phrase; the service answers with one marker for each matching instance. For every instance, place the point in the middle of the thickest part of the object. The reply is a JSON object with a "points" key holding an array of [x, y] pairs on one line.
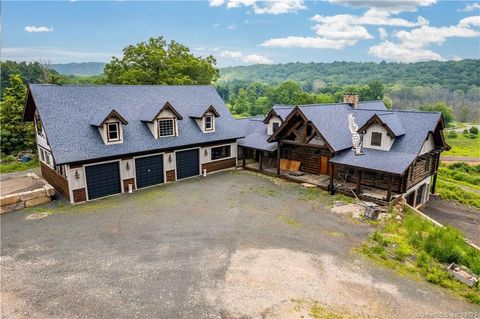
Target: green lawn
{"points": [[415, 247], [17, 166], [463, 146], [459, 182]]}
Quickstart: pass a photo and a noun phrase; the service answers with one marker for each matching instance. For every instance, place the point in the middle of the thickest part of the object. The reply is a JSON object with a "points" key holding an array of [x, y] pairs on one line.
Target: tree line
{"points": [[157, 61]]}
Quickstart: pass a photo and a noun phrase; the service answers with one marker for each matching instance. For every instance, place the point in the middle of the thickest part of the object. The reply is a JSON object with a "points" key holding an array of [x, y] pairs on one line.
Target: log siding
{"points": [[79, 195], [220, 164], [56, 180]]}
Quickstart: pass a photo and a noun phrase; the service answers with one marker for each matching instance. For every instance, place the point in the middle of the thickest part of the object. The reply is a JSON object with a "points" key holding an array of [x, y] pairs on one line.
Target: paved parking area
{"points": [[232, 245], [447, 212]]}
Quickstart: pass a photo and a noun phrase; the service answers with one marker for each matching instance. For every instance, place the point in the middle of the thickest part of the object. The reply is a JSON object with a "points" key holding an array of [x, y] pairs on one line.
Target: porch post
{"points": [[261, 161], [359, 181], [331, 187], [278, 157], [389, 190], [434, 183], [244, 155]]}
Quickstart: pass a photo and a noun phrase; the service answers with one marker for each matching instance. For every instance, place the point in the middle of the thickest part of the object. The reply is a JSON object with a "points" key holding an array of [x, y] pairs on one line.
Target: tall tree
{"points": [[440, 107], [15, 135], [158, 62]]}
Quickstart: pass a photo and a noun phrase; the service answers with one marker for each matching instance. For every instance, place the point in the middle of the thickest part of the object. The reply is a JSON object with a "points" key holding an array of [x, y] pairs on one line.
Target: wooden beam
{"points": [[244, 156], [331, 187], [359, 181], [389, 190], [434, 182], [278, 157], [261, 161], [301, 144]]}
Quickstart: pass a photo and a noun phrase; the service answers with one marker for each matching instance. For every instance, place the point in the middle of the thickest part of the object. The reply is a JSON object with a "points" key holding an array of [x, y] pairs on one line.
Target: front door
{"points": [[324, 165]]}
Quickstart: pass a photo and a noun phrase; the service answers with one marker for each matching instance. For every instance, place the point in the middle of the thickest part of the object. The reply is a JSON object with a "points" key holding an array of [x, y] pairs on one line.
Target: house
{"points": [[396, 155], [95, 141]]}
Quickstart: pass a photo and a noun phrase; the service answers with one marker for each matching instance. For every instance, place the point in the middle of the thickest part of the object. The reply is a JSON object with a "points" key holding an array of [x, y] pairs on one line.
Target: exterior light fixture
{"points": [[127, 166], [77, 175], [206, 152], [170, 158]]}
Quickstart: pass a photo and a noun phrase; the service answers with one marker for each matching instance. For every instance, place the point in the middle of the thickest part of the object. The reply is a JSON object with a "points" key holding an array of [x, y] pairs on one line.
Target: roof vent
{"points": [[356, 140], [351, 99]]}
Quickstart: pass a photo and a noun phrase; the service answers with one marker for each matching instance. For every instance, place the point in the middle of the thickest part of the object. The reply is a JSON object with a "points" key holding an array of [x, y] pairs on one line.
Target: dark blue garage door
{"points": [[187, 163], [149, 170], [103, 180]]}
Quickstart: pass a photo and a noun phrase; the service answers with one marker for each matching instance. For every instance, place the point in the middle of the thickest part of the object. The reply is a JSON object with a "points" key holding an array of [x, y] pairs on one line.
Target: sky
{"points": [[243, 32]]}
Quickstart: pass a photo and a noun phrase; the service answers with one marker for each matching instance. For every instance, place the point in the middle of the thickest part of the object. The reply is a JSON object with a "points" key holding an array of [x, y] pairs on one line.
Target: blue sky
{"points": [[241, 32]]}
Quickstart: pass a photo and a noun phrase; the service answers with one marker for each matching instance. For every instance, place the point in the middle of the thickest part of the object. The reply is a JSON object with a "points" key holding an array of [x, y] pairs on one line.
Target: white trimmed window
{"points": [[113, 132], [166, 127], [208, 122]]}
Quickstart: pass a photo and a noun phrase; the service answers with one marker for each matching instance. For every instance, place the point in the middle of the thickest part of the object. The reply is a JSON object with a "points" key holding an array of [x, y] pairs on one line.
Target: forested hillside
{"points": [[453, 75]]}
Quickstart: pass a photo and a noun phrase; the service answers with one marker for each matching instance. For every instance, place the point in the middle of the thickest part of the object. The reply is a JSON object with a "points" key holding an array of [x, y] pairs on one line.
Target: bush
{"points": [[473, 130], [472, 136], [465, 132], [452, 134]]}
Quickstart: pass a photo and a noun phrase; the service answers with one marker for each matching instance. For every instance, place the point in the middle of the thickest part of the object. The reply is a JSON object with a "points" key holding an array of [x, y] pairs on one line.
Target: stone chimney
{"points": [[351, 99]]}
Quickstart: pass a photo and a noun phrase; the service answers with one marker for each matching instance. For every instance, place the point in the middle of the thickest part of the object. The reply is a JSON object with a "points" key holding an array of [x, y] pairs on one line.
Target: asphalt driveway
{"points": [[232, 245]]}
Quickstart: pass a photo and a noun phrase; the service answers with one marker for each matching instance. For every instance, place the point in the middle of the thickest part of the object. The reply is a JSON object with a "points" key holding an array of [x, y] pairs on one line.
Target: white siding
{"points": [[201, 123], [125, 172], [167, 163], [273, 119], [387, 141], [428, 145], [76, 182], [41, 138]]}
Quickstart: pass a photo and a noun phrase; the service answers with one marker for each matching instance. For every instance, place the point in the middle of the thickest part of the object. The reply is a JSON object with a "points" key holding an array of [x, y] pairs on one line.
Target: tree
{"points": [[158, 62], [376, 90], [440, 107], [15, 135], [388, 102]]}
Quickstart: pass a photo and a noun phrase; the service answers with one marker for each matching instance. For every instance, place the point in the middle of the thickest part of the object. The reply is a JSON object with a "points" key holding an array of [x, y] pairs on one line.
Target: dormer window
{"points": [[166, 127], [208, 122], [113, 132], [376, 139], [110, 126]]}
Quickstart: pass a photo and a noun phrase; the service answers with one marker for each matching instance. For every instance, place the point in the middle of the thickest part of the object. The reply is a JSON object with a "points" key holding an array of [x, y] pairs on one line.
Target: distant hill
{"points": [[83, 68], [450, 74]]}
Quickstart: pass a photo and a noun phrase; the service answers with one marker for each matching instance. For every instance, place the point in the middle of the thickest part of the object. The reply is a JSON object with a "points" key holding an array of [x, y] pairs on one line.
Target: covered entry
{"points": [[188, 163], [103, 180], [149, 170]]}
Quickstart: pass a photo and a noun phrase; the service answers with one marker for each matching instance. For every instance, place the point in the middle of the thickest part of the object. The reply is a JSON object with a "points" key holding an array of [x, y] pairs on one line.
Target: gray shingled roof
{"points": [[391, 120], [255, 134], [67, 111], [404, 150]]}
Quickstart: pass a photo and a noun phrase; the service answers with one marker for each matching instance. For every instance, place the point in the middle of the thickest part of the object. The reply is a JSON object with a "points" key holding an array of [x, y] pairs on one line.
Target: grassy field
{"points": [[17, 166], [463, 146], [415, 247], [459, 182]]}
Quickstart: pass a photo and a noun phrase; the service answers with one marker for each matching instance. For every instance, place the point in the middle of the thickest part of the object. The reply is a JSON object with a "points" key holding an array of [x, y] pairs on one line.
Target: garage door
{"points": [[103, 180], [149, 170], [187, 163]]}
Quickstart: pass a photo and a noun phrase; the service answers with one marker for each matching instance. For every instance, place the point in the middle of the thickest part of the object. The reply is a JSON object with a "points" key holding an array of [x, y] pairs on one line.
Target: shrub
{"points": [[452, 134], [472, 136], [473, 130], [465, 132]]}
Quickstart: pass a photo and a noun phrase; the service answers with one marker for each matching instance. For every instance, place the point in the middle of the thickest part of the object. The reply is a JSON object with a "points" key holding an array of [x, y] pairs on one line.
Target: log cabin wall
{"points": [[423, 167], [308, 156], [372, 179]]}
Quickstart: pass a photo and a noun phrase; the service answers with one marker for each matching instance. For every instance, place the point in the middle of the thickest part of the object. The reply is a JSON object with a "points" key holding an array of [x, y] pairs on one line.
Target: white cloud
{"points": [[34, 29], [382, 34], [263, 7], [400, 53], [414, 45], [55, 55], [471, 7], [246, 58], [341, 30], [232, 27], [307, 42], [387, 5]]}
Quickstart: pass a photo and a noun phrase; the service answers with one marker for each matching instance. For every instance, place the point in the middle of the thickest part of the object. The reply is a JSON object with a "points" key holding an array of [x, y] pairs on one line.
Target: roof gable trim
{"points": [[209, 109], [373, 120], [94, 121]]}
